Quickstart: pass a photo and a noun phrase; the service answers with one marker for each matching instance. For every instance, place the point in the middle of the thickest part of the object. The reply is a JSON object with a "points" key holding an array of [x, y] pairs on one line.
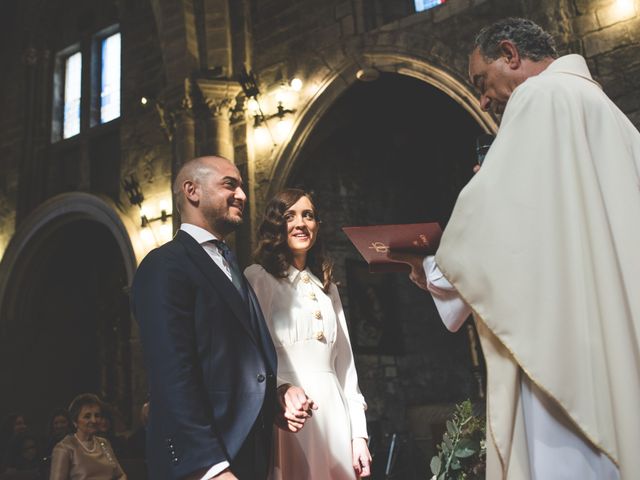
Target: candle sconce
{"points": [[134, 193], [149, 235], [251, 90]]}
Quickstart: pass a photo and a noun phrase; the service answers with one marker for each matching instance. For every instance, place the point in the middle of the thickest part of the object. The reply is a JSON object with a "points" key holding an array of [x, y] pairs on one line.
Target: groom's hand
{"points": [[296, 407]]}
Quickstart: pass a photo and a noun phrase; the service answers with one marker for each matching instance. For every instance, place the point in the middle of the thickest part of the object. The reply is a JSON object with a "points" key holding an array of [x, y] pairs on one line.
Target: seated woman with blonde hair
{"points": [[316, 370]]}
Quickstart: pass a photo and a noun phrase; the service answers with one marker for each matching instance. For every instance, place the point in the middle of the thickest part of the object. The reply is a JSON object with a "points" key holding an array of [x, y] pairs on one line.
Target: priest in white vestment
{"points": [[543, 248]]}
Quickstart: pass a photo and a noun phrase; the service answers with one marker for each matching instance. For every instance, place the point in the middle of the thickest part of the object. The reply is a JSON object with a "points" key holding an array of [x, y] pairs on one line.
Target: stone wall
{"points": [[315, 40], [166, 43]]}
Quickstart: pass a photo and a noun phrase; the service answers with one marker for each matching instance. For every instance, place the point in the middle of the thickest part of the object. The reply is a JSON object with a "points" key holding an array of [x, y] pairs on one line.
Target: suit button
{"points": [[260, 378]]}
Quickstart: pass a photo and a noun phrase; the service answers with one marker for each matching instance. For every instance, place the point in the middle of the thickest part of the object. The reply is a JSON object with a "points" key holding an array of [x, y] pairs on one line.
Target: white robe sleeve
{"points": [[452, 309], [346, 370]]}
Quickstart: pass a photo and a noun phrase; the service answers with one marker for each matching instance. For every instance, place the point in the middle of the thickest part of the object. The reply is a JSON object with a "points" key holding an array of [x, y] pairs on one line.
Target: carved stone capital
{"points": [[179, 98], [174, 107], [218, 95]]}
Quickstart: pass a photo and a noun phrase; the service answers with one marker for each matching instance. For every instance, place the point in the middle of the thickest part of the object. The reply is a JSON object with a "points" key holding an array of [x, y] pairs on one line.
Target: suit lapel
{"points": [[218, 280], [267, 343]]}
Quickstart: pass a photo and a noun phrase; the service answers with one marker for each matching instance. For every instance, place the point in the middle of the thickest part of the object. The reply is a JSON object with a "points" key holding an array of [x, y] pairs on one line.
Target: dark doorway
{"points": [[67, 324], [394, 151]]}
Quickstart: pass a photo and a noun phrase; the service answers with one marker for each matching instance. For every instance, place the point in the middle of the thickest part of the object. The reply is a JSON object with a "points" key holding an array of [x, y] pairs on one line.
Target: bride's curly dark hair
{"points": [[273, 250]]}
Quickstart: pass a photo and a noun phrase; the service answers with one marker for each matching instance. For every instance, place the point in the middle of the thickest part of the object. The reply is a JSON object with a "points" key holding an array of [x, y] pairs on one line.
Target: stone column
{"points": [[184, 126], [219, 97], [178, 122]]}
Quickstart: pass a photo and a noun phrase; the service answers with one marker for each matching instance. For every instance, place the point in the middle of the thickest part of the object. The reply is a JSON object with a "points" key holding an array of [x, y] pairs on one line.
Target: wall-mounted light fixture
{"points": [[368, 74], [134, 193], [251, 90], [624, 9]]}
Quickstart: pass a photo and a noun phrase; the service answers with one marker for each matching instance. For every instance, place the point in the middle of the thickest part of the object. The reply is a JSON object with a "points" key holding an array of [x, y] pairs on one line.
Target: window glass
{"points": [[72, 93], [110, 81], [426, 4]]}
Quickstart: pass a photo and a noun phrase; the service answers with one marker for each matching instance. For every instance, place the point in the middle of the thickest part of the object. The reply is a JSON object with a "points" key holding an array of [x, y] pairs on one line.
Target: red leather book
{"points": [[374, 242]]}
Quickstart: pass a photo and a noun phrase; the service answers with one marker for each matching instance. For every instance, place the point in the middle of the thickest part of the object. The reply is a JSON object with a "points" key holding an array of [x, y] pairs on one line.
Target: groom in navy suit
{"points": [[210, 360]]}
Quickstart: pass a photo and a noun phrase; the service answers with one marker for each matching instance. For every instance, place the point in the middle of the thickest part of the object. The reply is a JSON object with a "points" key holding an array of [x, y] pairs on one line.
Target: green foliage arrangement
{"points": [[462, 453]]}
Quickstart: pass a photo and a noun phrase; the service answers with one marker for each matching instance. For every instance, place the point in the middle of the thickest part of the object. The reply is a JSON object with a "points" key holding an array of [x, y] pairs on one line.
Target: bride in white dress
{"points": [[318, 383]]}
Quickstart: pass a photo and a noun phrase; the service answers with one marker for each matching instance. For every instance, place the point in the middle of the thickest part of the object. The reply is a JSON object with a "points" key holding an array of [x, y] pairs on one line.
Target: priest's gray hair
{"points": [[530, 39]]}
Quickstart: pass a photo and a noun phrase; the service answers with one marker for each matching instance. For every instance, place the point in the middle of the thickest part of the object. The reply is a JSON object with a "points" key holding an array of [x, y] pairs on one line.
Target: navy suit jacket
{"points": [[209, 357]]}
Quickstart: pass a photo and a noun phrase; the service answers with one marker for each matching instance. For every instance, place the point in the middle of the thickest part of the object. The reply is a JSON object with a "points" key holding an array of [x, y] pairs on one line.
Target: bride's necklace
{"points": [[88, 450]]}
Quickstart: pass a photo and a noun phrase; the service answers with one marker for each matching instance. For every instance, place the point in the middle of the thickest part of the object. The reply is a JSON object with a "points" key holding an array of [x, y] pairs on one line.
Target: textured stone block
{"points": [[333, 57], [343, 9], [634, 29], [606, 40], [629, 102], [390, 372], [584, 6], [615, 13], [618, 60], [347, 26], [329, 35], [613, 84], [585, 23], [387, 360], [386, 38], [632, 76], [449, 9], [417, 19], [635, 118]]}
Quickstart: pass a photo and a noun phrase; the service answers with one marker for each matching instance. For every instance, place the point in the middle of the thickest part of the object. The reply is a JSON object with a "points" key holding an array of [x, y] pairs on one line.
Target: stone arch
{"points": [[400, 63], [53, 214], [37, 237]]}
